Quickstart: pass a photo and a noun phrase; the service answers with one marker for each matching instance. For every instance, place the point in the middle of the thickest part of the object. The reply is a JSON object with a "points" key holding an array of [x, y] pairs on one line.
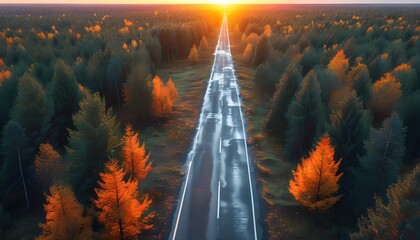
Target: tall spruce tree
{"points": [[16, 170], [305, 117], [380, 166], [410, 114], [276, 122], [95, 139], [32, 109], [350, 127], [65, 94], [138, 95]]}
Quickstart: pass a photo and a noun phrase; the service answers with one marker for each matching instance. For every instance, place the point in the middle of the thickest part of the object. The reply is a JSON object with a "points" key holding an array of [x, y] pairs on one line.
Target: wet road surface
{"points": [[217, 197]]}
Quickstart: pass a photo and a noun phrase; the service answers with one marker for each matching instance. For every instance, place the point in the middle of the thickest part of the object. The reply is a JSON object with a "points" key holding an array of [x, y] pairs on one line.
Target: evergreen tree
{"points": [[407, 76], [276, 122], [315, 181], [95, 139], [15, 171], [32, 109], [409, 112], [359, 80], [138, 95], [397, 217], [305, 117], [328, 83], [380, 166], [350, 128], [262, 50], [114, 75], [65, 94], [64, 217], [120, 211]]}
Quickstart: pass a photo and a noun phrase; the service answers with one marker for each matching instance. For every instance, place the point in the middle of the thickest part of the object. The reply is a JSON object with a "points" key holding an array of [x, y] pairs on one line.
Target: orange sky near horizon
{"points": [[221, 2]]}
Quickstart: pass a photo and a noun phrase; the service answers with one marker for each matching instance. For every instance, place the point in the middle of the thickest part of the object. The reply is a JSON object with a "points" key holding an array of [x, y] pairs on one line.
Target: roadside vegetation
{"points": [[92, 142], [332, 90]]}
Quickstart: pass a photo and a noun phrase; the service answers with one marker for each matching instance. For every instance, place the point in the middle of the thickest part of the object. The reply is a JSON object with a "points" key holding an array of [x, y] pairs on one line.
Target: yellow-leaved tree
{"points": [[120, 211], [64, 217], [315, 180], [136, 161]]}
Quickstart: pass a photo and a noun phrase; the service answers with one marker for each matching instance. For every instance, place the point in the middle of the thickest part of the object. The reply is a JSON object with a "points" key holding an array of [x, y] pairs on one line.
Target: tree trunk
{"points": [[23, 178]]}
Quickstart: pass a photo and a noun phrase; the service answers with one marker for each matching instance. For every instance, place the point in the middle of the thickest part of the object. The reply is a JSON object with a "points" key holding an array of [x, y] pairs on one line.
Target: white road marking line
{"points": [[218, 200], [195, 139], [246, 148]]}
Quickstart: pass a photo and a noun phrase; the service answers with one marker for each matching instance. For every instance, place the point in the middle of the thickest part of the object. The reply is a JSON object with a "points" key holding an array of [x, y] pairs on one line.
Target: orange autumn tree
{"points": [[136, 161], [339, 65], [163, 97], [385, 94], [121, 213], [64, 217], [316, 180]]}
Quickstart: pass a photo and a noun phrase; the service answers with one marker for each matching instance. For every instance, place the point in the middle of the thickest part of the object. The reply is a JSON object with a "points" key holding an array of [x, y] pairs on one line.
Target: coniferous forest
{"points": [[99, 106]]}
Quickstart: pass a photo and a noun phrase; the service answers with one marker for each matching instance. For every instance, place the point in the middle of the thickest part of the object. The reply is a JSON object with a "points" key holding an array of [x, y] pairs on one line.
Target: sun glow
{"points": [[224, 2]]}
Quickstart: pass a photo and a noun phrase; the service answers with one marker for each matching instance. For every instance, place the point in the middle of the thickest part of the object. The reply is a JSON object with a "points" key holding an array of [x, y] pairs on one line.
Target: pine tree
{"points": [[15, 171], [350, 128], [49, 167], [64, 216], [409, 112], [137, 95], [95, 139], [397, 217], [136, 162], [32, 109], [122, 215], [380, 166], [305, 117], [65, 94], [315, 179], [262, 49], [385, 94], [114, 76], [276, 122], [407, 76], [359, 80]]}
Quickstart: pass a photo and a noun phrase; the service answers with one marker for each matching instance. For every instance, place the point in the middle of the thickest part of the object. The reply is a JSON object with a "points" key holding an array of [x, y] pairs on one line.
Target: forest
{"points": [[99, 106], [332, 96], [78, 88]]}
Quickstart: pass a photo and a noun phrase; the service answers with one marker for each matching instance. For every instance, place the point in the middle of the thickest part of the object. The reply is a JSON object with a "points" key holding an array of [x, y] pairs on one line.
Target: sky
{"points": [[207, 1]]}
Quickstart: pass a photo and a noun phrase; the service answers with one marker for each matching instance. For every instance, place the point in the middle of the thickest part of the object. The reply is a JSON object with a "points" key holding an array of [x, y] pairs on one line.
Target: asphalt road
{"points": [[217, 197]]}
